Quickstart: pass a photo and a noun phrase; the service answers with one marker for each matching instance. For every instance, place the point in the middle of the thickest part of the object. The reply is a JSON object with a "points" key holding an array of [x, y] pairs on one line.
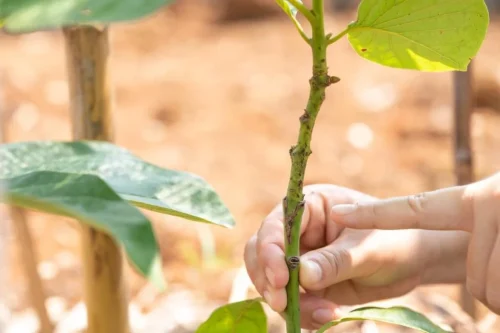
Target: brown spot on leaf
{"points": [[364, 50]]}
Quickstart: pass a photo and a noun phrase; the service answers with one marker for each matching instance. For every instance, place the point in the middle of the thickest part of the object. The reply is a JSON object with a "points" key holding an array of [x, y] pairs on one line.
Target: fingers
{"points": [[480, 266], [493, 279], [352, 293], [316, 311], [339, 261], [446, 209]]}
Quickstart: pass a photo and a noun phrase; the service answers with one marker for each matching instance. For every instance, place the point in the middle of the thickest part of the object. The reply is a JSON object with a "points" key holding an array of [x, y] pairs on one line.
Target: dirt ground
{"points": [[223, 101]]}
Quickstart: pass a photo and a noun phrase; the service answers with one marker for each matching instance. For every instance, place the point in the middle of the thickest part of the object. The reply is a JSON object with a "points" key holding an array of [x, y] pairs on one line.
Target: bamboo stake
{"points": [[28, 253], [464, 166], [87, 50], [29, 258]]}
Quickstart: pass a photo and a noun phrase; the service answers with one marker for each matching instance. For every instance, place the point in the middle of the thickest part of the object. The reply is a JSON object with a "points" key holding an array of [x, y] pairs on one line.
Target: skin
{"points": [[473, 208], [346, 266]]}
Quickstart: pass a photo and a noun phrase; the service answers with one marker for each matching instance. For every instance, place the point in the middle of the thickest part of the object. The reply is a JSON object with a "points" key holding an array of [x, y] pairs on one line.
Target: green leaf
{"points": [[291, 11], [143, 184], [90, 200], [397, 315], [247, 316], [288, 8], [31, 15], [425, 35]]}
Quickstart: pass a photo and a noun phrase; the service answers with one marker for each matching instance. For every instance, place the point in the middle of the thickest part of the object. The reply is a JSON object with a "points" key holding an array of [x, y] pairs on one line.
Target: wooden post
{"points": [[87, 51], [27, 248], [464, 166]]}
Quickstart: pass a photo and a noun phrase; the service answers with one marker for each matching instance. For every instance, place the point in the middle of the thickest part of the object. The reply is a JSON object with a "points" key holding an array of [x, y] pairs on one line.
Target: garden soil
{"points": [[223, 100]]}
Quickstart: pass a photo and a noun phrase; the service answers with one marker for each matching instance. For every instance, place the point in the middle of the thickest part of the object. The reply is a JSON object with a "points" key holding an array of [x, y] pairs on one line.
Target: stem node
{"points": [[333, 80], [305, 117], [293, 262]]}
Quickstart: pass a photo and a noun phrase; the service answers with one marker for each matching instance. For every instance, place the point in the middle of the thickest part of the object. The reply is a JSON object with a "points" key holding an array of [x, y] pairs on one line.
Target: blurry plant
{"points": [[99, 183]]}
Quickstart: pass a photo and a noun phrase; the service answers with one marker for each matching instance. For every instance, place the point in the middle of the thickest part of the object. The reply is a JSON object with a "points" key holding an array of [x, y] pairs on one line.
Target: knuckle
{"points": [[416, 203], [332, 263]]}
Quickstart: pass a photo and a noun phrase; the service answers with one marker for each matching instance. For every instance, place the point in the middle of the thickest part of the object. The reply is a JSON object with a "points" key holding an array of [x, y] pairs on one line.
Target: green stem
{"points": [[293, 203]]}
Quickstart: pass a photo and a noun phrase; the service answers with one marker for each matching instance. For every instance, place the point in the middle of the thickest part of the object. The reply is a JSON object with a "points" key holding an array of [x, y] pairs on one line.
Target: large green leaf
{"points": [[247, 316], [426, 35], [90, 200], [31, 15], [143, 184], [397, 315]]}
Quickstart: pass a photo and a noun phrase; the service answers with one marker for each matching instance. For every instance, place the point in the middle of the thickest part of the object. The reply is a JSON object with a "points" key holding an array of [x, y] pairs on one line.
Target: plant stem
{"points": [[464, 167], [105, 289], [293, 203]]}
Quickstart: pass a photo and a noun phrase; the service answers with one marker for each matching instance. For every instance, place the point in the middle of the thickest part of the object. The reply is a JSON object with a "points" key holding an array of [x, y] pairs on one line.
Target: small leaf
{"points": [[247, 316], [425, 35], [288, 8], [31, 15], [90, 200], [397, 315], [143, 184], [291, 11]]}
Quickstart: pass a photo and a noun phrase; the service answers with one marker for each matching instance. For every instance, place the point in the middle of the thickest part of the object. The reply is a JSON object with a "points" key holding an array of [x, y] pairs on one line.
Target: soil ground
{"points": [[223, 101]]}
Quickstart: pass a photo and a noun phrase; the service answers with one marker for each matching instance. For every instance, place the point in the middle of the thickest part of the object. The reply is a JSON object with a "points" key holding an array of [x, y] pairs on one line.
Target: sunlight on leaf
{"points": [[247, 316], [143, 184], [425, 35], [396, 315]]}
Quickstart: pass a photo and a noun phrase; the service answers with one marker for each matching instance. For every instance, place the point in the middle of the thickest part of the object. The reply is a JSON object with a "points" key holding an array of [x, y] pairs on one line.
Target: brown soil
{"points": [[223, 101]]}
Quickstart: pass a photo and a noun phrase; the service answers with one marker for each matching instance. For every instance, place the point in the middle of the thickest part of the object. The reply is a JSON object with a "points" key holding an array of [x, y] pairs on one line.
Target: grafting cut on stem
{"points": [[293, 203]]}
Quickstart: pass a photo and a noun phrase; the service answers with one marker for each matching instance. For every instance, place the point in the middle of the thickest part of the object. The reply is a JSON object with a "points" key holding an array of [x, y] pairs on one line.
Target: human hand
{"points": [[473, 208], [338, 266]]}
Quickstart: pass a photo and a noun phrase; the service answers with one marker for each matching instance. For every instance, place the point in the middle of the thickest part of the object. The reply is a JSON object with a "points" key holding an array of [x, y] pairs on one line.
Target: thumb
{"points": [[339, 261], [445, 209]]}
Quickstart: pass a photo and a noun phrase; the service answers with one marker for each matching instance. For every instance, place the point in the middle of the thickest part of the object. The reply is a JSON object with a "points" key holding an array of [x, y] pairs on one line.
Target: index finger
{"points": [[445, 209]]}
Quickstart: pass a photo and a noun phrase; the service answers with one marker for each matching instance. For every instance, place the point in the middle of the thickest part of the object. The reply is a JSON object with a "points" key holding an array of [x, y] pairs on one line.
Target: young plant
{"points": [[424, 35]]}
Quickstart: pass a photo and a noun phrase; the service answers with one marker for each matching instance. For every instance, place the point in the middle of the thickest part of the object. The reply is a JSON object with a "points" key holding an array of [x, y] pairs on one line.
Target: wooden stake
{"points": [[27, 248], [464, 166], [87, 50], [29, 258]]}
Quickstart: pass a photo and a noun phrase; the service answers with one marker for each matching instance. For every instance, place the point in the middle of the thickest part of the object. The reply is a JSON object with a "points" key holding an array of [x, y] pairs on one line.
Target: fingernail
{"points": [[343, 209], [312, 271], [270, 276], [268, 298], [322, 316]]}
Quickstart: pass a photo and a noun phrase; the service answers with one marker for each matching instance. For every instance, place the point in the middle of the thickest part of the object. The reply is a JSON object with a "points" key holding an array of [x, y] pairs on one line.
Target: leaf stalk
{"points": [[334, 39]]}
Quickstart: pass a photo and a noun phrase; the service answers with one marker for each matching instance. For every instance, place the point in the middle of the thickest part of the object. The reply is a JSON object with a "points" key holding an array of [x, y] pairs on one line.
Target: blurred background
{"points": [[216, 88]]}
